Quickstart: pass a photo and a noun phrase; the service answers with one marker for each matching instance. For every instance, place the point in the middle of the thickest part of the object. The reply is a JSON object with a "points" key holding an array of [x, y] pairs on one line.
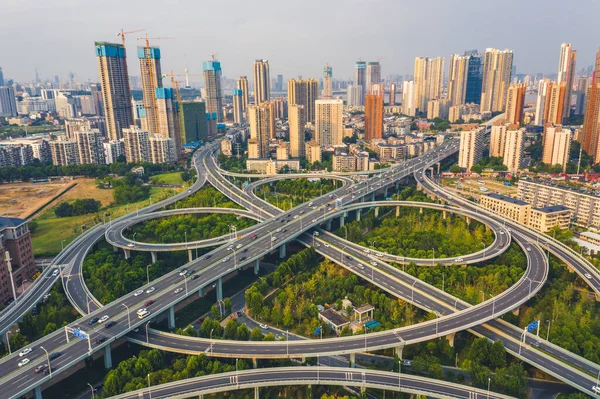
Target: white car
{"points": [[587, 275], [278, 230], [140, 311], [225, 259], [360, 266], [131, 245], [326, 245], [379, 254], [229, 248], [295, 216], [183, 272], [374, 263], [55, 273], [138, 292], [366, 251], [24, 352], [150, 290], [238, 246], [23, 362], [178, 290], [501, 232], [528, 249], [102, 319], [273, 238], [264, 326]]}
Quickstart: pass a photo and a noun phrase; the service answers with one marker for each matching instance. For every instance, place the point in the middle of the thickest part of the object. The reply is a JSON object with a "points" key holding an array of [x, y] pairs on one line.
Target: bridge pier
{"points": [[373, 196], [256, 266], [107, 357], [397, 185], [450, 338], [115, 249], [254, 363], [127, 253], [468, 220], [385, 191], [353, 360], [256, 390], [358, 215], [438, 167], [171, 317], [376, 211], [219, 289], [282, 251], [201, 292], [398, 211], [342, 220], [190, 255], [445, 214], [328, 225], [154, 256], [421, 210], [398, 351], [37, 392]]}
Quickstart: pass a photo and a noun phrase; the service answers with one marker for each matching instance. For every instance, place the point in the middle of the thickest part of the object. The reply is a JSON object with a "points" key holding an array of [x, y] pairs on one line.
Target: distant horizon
{"points": [[295, 40]]}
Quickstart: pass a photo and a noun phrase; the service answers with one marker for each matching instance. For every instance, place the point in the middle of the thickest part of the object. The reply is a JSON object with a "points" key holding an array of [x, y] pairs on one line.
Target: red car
{"points": [[253, 236], [149, 302]]}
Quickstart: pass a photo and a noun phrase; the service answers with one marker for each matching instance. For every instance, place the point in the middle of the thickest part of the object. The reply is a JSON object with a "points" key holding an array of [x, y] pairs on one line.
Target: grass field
{"points": [[51, 231], [173, 178]]}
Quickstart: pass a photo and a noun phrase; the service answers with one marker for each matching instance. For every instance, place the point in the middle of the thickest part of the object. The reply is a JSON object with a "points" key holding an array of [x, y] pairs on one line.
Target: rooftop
{"points": [[506, 198], [364, 308], [334, 317], [552, 209], [11, 222]]}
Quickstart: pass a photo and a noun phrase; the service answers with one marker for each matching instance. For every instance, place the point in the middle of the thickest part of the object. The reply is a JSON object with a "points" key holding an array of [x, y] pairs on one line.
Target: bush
{"points": [[78, 207]]}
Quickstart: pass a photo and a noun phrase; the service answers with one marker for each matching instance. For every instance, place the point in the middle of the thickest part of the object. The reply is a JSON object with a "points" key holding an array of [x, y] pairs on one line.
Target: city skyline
{"points": [[250, 36]]}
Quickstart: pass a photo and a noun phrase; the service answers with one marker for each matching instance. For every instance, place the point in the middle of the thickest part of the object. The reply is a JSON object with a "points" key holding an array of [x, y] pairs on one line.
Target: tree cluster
{"points": [[289, 193], [207, 196], [78, 207]]}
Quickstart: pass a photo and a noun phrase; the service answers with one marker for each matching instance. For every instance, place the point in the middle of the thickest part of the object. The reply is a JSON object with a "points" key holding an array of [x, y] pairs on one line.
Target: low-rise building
{"points": [[15, 239], [546, 218], [271, 166], [508, 207], [334, 320]]}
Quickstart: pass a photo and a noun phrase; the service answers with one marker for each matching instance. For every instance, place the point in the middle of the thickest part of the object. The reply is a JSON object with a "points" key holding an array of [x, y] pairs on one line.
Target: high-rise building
{"points": [[90, 147], [590, 132], [498, 140], [429, 77], [64, 152], [556, 146], [497, 67], [296, 121], [194, 125], [151, 76], [329, 127], [242, 84], [393, 89], [238, 105], [262, 128], [262, 82], [113, 150], [279, 82], [438, 108], [1, 77], [513, 150], [65, 106], [566, 74], [15, 240], [409, 96], [304, 92], [474, 77], [166, 115], [355, 95], [137, 145], [116, 94], [554, 108], [8, 102], [458, 71], [373, 117], [163, 150], [280, 105], [327, 87], [582, 85], [373, 75], [360, 77], [212, 83], [515, 103], [471, 148], [544, 86]]}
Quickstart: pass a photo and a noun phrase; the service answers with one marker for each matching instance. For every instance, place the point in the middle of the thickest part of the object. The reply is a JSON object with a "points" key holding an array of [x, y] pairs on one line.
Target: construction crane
{"points": [[123, 33], [214, 56], [153, 85]]}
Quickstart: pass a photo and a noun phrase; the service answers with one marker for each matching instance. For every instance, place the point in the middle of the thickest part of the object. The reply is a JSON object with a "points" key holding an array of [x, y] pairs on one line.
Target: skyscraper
{"points": [[556, 146], [498, 140], [329, 127], [262, 81], [393, 94], [262, 128], [1, 77], [373, 75], [212, 83], [591, 118], [474, 77], [373, 117], [8, 101], [360, 69], [279, 82], [137, 145], [296, 121], [458, 72], [515, 102], [89, 146], [304, 92], [354, 95], [327, 84], [544, 86], [116, 94], [238, 114], [194, 126], [151, 74], [166, 115], [513, 150], [471, 148], [566, 73], [497, 67], [409, 95], [429, 77], [242, 84]]}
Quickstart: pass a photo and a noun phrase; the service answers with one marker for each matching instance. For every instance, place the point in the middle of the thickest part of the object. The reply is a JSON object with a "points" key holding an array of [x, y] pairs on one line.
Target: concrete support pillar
{"points": [[254, 363], [516, 311], [353, 360], [190, 255], [373, 196], [115, 249], [154, 256], [468, 219], [127, 253], [358, 215], [328, 225], [256, 390], [597, 297], [376, 211], [438, 166], [450, 338], [107, 357], [282, 251], [385, 191], [37, 392], [398, 351], [256, 266], [219, 289], [397, 185], [445, 214], [421, 210], [201, 292], [303, 359], [342, 220], [398, 211], [171, 317], [419, 187]]}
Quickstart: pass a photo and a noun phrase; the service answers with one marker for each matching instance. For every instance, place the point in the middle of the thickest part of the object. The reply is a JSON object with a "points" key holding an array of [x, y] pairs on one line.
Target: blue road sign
{"points": [[318, 331], [533, 325]]}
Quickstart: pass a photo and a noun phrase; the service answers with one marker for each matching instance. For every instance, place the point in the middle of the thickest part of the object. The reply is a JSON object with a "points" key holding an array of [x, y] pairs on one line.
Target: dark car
{"points": [[39, 368], [149, 302], [46, 371], [110, 324], [242, 258], [207, 256], [244, 250], [93, 321], [195, 276], [54, 355], [100, 339]]}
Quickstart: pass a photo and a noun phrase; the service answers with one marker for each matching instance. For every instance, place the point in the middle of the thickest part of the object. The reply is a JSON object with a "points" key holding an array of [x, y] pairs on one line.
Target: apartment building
{"points": [[545, 218], [313, 151], [15, 239]]}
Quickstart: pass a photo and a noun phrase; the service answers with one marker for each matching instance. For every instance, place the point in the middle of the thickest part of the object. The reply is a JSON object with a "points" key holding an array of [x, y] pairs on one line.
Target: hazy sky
{"points": [[297, 37]]}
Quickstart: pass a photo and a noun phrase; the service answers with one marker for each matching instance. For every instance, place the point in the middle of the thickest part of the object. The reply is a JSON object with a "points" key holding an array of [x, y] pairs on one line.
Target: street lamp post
{"points": [[548, 333], [92, 389], [47, 357], [149, 387], [8, 342], [128, 315], [413, 291], [134, 236], [62, 246], [147, 339], [148, 273], [482, 243], [489, 382], [185, 283], [433, 261], [482, 296]]}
